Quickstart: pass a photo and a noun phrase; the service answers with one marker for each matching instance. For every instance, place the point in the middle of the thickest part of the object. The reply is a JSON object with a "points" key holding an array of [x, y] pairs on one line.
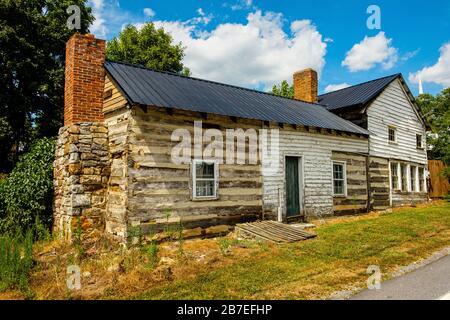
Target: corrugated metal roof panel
{"points": [[356, 95], [155, 88]]}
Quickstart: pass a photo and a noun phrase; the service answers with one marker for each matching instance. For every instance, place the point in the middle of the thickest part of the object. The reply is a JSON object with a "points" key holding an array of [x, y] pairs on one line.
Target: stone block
{"points": [[73, 179], [83, 140], [88, 171], [74, 168], [89, 156], [76, 188], [72, 148], [80, 201], [97, 146], [106, 171], [74, 129], [84, 148], [99, 129], [217, 230], [90, 163], [91, 179], [74, 139], [99, 135], [192, 233], [101, 153]]}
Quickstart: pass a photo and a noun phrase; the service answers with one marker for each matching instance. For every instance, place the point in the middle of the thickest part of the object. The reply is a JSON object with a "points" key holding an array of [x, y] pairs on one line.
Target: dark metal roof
{"points": [[359, 94], [155, 88]]}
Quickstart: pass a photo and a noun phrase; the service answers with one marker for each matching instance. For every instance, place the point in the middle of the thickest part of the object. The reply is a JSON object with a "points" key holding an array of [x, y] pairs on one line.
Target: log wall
{"points": [[356, 173], [159, 190]]}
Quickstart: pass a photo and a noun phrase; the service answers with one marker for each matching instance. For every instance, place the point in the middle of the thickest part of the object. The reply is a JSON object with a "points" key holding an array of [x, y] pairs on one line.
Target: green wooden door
{"points": [[292, 187]]}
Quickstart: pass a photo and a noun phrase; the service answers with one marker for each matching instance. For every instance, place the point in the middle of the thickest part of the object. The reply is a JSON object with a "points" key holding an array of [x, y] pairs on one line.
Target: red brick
{"points": [[305, 85], [85, 79]]}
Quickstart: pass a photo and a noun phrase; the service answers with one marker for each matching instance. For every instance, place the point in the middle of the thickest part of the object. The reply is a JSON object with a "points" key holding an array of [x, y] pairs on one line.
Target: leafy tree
{"points": [[436, 110], [27, 194], [33, 34], [149, 47], [283, 90]]}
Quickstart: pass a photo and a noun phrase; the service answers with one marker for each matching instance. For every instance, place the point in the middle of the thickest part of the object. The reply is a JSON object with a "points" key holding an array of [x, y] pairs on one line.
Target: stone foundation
{"points": [[81, 174]]}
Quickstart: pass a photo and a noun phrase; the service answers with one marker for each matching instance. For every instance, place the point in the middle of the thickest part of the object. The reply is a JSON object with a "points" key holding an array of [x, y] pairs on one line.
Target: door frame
{"points": [[301, 191]]}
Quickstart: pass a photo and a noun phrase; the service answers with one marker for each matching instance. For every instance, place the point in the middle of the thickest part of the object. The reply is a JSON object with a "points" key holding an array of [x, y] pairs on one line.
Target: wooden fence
{"points": [[439, 186]]}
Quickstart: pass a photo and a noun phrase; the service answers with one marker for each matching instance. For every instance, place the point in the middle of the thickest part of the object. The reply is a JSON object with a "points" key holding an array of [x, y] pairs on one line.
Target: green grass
{"points": [[337, 259], [15, 261]]}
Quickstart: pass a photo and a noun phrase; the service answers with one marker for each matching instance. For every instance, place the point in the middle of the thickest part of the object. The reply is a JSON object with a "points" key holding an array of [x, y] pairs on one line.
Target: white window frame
{"points": [[399, 175], [395, 134], [422, 182], [421, 141], [194, 179], [406, 176], [413, 180], [397, 165], [344, 171], [417, 179]]}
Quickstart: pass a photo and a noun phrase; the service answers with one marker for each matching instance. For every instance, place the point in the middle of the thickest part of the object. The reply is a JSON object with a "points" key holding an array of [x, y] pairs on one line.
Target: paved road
{"points": [[431, 282]]}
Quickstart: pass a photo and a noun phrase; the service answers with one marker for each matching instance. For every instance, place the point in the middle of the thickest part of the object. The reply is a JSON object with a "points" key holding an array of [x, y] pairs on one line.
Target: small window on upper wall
{"points": [[419, 142], [392, 134]]}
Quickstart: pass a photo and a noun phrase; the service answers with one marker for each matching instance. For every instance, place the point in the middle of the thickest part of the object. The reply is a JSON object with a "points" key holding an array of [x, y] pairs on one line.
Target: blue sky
{"points": [[255, 43]]}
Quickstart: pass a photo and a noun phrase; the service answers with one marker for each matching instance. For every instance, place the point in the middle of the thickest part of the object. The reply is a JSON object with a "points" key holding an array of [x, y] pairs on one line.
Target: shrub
{"points": [[152, 252], [447, 197], [15, 261], [26, 196]]}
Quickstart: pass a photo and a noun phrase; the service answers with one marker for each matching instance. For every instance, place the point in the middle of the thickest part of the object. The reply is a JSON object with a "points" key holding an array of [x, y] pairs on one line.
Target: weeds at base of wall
{"points": [[447, 197], [16, 261], [152, 254]]}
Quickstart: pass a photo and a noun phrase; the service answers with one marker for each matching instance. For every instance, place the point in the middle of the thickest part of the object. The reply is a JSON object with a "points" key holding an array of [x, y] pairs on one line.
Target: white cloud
{"points": [[148, 12], [439, 72], [371, 51], [109, 17], [98, 27], [242, 5], [97, 4], [335, 87], [257, 53], [410, 55]]}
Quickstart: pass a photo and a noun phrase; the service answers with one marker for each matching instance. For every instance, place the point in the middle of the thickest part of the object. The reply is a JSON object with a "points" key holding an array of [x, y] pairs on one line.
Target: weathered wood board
{"points": [[272, 231]]}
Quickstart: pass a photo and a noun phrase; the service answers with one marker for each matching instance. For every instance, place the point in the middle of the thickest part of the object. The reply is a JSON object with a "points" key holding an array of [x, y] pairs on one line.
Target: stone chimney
{"points": [[305, 85], [82, 161], [85, 79]]}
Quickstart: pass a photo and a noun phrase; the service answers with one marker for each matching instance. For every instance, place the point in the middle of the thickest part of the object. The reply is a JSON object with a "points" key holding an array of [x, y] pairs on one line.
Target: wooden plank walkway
{"points": [[272, 231]]}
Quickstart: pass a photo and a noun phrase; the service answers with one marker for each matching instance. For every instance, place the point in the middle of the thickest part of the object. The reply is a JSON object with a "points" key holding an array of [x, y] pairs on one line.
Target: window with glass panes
{"points": [[413, 178], [404, 177], [339, 179], [392, 134], [204, 179], [394, 176], [421, 179], [419, 141]]}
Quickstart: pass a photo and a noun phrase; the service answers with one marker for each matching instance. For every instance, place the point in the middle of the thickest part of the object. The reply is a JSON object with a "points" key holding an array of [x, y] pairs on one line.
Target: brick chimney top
{"points": [[84, 79], [305, 85]]}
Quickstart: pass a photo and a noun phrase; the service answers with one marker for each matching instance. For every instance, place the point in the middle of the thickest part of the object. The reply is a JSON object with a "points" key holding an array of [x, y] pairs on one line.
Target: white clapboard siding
{"points": [[393, 108], [316, 152]]}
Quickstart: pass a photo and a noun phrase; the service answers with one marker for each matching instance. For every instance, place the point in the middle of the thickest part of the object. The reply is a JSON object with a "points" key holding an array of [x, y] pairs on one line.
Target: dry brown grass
{"points": [[314, 269], [114, 272]]}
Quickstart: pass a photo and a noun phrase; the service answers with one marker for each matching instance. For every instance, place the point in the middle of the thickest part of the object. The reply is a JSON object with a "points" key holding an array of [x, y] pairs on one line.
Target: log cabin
{"points": [[146, 149]]}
